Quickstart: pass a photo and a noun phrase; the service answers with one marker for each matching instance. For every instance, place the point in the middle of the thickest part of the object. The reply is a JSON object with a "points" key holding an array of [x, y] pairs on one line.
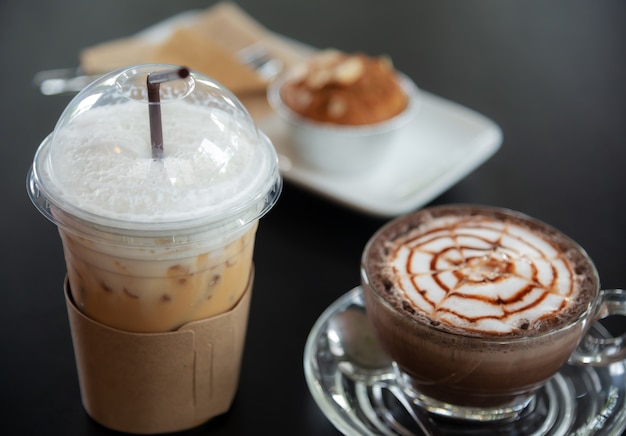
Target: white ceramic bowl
{"points": [[341, 149]]}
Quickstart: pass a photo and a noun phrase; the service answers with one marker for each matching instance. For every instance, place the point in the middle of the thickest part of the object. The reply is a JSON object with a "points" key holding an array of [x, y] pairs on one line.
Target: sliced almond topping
{"points": [[326, 58], [337, 107], [349, 71], [386, 62], [318, 78]]}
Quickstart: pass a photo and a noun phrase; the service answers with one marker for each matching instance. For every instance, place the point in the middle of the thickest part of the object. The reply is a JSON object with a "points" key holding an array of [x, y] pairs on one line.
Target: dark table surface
{"points": [[552, 75]]}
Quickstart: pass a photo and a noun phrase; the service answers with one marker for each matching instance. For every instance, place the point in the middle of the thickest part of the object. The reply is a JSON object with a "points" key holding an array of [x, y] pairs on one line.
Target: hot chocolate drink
{"points": [[466, 300]]}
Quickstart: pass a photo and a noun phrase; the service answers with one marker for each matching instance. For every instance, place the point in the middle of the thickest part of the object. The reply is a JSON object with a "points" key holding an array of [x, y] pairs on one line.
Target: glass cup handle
{"points": [[595, 348]]}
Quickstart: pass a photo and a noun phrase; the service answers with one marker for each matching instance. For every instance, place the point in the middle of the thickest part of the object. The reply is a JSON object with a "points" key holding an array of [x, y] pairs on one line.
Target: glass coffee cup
{"points": [[479, 307]]}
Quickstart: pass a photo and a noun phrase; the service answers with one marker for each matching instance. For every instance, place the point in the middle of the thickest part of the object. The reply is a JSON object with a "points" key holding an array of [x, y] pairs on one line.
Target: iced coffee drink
{"points": [[156, 242], [172, 290], [160, 279]]}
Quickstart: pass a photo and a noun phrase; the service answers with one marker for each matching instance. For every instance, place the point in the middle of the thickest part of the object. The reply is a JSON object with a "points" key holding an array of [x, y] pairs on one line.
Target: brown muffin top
{"points": [[345, 89]]}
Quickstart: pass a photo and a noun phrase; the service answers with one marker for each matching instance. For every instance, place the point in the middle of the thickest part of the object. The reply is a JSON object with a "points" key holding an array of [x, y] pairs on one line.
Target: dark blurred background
{"points": [[551, 74]]}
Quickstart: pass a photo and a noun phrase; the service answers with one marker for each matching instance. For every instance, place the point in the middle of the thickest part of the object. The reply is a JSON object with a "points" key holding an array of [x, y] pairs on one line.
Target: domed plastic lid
{"points": [[125, 157]]}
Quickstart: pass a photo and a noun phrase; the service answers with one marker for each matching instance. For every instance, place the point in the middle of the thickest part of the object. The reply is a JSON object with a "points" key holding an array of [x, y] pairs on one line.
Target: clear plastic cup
{"points": [[154, 243]]}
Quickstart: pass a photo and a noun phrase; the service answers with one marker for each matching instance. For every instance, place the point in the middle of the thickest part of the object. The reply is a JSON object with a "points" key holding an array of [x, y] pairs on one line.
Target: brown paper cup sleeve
{"points": [[149, 383]]}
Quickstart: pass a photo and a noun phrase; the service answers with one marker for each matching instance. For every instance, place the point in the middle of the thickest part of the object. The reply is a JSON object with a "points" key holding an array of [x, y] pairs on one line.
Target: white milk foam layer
{"points": [[483, 275], [102, 163]]}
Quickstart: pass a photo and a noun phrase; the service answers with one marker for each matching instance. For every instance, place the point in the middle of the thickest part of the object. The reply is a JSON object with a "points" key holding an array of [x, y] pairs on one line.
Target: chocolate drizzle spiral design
{"points": [[482, 274]]}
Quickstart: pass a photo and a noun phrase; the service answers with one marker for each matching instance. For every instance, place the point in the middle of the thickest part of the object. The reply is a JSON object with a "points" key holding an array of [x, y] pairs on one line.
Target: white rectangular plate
{"points": [[444, 144]]}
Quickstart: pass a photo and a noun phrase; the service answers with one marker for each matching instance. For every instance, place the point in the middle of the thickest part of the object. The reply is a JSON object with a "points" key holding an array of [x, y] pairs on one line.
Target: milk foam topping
{"points": [[101, 163], [481, 274]]}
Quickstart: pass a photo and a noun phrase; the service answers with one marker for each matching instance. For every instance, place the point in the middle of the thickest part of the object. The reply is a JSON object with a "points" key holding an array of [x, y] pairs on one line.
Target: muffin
{"points": [[343, 113], [345, 89]]}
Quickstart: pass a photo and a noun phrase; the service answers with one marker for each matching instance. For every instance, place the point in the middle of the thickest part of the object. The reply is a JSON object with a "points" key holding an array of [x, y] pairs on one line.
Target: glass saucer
{"points": [[579, 400]]}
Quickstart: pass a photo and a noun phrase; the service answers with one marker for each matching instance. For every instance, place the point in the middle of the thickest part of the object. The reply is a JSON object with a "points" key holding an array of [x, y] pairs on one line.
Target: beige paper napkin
{"points": [[208, 42], [188, 47]]}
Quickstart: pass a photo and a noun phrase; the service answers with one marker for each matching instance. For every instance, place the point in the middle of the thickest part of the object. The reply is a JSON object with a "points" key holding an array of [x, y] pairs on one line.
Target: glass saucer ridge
{"points": [[579, 400]]}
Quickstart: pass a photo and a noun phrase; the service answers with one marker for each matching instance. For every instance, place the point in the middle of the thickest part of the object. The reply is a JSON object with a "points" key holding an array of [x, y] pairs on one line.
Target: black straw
{"points": [[153, 82]]}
